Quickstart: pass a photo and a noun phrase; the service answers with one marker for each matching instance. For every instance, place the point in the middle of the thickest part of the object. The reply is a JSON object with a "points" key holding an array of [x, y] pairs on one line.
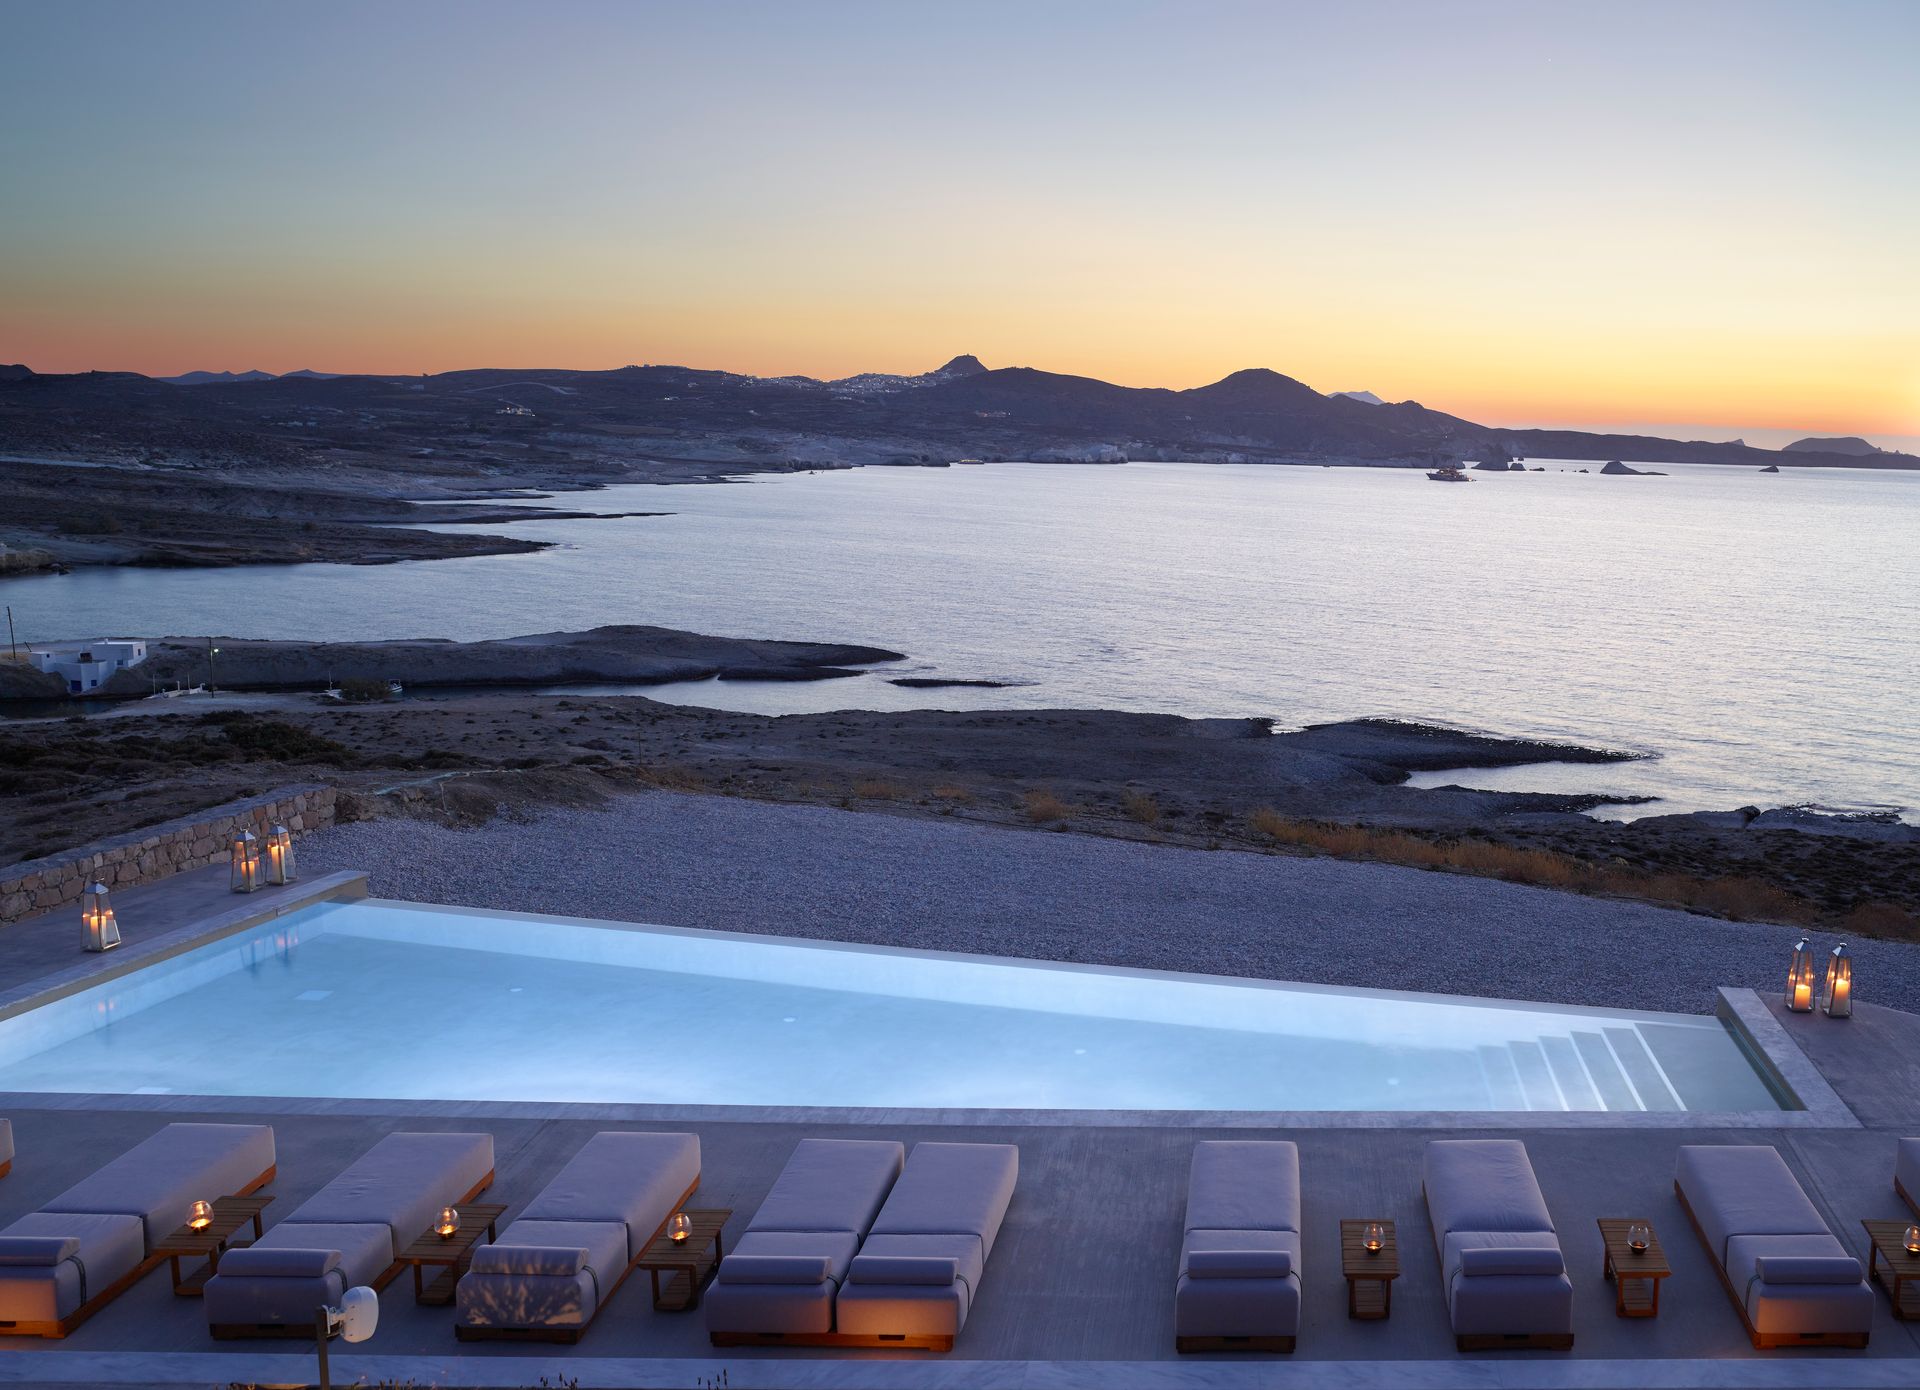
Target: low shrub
{"points": [[1141, 807], [1043, 807]]}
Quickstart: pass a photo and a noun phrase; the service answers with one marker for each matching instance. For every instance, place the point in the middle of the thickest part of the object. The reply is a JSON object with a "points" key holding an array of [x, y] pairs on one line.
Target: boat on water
{"points": [[1450, 474]]}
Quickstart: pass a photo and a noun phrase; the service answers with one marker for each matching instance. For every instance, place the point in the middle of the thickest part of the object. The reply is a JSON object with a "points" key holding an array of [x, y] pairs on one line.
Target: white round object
{"points": [[359, 1314]]}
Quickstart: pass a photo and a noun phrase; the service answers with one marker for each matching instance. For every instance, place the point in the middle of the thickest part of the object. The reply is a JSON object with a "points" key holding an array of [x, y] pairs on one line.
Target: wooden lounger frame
{"points": [[1496, 1341], [118, 1286], [233, 1331], [6, 1167], [881, 1341], [570, 1335], [1764, 1341], [1234, 1343]]}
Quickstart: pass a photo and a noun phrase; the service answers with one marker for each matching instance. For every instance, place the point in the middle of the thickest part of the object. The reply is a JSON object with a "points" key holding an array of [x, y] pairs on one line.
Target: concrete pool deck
{"points": [[1080, 1287]]}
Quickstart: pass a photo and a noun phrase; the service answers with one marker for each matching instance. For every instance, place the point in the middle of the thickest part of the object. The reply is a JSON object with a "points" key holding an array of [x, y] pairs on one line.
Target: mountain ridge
{"points": [[961, 409]]}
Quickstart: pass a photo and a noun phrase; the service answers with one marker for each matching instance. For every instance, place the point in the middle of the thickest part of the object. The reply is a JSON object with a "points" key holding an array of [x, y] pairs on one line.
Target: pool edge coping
{"points": [[346, 885]]}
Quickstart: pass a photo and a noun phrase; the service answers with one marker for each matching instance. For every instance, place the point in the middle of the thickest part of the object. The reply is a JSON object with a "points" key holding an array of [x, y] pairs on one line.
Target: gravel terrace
{"points": [[813, 871]]}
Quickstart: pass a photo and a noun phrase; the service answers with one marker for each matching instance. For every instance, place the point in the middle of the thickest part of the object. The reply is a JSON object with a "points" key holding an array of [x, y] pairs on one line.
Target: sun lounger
{"points": [[778, 1285], [348, 1233], [1501, 1267], [62, 1263], [6, 1148], [1906, 1173], [918, 1271], [1793, 1281], [556, 1266], [1239, 1286]]}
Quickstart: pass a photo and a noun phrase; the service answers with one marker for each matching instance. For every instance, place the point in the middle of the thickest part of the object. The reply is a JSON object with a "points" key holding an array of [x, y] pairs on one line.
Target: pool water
{"points": [[379, 999]]}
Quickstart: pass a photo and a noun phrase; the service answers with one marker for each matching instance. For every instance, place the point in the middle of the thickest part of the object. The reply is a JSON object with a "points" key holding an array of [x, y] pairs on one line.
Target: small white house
{"points": [[84, 666]]}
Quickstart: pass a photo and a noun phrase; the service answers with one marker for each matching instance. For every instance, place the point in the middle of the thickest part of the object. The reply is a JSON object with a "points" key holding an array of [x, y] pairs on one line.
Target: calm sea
{"points": [[1759, 633]]}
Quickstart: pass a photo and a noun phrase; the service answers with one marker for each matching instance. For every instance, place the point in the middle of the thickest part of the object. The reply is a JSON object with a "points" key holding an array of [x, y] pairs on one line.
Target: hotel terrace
{"points": [[247, 1108]]}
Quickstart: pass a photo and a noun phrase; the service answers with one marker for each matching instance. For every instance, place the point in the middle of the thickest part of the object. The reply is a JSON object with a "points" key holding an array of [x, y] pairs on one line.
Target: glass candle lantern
{"points": [[1913, 1240], [1639, 1238], [679, 1228], [1374, 1238], [279, 856], [98, 930], [448, 1226], [245, 863], [200, 1216], [1836, 996], [1800, 979]]}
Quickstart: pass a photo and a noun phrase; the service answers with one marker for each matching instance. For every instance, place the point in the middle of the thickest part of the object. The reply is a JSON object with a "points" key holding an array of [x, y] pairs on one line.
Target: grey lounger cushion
{"points": [[160, 1177], [1240, 1257], [607, 1203], [821, 1205], [1752, 1212], [119, 1212], [946, 1208], [1482, 1197], [1906, 1168], [366, 1215], [104, 1249]]}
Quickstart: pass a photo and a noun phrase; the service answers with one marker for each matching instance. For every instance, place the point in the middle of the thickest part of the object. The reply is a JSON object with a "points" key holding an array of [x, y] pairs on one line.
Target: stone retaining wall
{"points": [[141, 856]]}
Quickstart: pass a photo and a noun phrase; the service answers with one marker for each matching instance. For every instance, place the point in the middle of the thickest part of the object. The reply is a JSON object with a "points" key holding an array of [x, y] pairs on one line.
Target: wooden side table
{"points": [[209, 1242], [689, 1263], [1636, 1274], [452, 1253], [1890, 1263], [1370, 1273]]}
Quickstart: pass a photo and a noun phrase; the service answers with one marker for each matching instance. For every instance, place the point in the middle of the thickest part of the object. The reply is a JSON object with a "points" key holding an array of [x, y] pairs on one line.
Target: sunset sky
{"points": [[1521, 213]]}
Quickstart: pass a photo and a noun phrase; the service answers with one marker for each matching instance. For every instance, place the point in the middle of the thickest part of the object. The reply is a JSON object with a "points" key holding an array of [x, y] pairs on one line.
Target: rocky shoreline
{"points": [[463, 757], [635, 655]]}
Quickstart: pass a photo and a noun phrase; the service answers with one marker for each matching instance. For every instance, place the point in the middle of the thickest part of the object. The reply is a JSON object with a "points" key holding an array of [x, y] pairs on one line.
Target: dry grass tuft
{"points": [[1141, 807], [956, 794], [1043, 806], [1739, 897], [878, 789], [667, 778], [1882, 919]]}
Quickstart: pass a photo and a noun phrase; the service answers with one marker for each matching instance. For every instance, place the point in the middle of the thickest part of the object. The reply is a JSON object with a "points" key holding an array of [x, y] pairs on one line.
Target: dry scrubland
{"points": [[1206, 784]]}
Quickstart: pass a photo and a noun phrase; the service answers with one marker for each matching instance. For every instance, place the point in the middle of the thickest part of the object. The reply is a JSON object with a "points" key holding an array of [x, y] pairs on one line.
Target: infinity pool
{"points": [[395, 1000]]}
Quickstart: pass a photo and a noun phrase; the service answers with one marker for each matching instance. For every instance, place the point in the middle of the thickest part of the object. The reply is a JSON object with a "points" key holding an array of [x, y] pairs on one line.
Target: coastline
{"points": [[463, 758]]}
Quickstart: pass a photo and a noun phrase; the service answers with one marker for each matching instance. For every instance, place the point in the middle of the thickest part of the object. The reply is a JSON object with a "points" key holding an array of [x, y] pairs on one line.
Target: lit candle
{"points": [[448, 1226], [679, 1228], [1913, 1240], [200, 1216], [1375, 1238], [1803, 996]]}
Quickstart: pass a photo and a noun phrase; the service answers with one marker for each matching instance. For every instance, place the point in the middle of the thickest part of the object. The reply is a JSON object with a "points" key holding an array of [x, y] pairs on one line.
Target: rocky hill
{"points": [[1847, 444]]}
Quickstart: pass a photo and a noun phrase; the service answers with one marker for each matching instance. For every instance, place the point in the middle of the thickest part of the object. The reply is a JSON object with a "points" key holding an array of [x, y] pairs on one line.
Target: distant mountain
{"points": [[215, 378], [961, 409], [17, 371], [311, 375], [1847, 444]]}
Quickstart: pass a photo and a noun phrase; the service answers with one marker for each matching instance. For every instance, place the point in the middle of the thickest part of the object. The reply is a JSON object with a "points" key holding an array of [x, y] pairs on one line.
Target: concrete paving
{"points": [[1084, 1269]]}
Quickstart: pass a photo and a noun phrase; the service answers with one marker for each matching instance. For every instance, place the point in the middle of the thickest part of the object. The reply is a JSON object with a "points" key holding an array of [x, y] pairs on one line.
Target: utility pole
{"points": [[212, 652], [13, 647]]}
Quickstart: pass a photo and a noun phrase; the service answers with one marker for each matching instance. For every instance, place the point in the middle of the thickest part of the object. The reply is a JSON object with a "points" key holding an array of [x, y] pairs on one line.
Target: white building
{"points": [[85, 665]]}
